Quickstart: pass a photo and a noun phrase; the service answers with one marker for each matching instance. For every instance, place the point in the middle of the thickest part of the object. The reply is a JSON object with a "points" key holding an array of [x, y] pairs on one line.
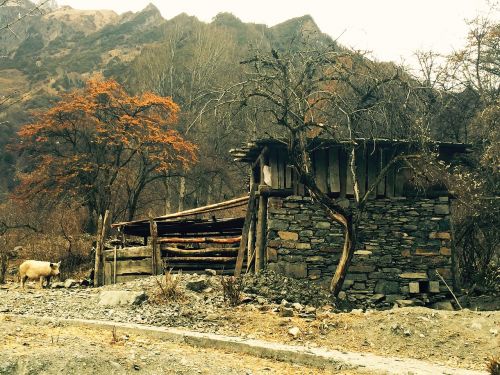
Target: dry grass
{"points": [[168, 288], [231, 289]]}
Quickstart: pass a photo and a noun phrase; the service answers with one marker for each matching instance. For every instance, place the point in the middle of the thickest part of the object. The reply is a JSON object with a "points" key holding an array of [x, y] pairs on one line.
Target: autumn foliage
{"points": [[99, 142]]}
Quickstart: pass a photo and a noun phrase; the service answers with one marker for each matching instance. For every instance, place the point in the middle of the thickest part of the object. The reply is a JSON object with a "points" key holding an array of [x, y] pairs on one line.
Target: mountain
{"points": [[56, 50]]}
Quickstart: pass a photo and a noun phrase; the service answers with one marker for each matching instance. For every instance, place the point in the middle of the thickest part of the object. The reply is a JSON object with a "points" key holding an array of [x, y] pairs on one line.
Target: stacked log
{"points": [[197, 254]]}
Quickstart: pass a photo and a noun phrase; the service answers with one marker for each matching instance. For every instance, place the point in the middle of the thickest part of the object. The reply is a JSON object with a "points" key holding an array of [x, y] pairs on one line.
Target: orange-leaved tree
{"points": [[101, 146]]}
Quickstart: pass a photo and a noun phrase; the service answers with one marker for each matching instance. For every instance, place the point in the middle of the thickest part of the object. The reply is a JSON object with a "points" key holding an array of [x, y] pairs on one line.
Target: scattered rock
{"points": [[57, 284], [197, 285], [286, 312], [69, 283], [377, 297], [443, 305], [211, 272], [342, 295], [294, 331], [121, 297], [310, 310], [297, 306]]}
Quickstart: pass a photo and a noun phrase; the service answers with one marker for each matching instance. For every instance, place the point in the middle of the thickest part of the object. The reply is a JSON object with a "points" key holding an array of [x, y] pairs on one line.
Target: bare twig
{"points": [[453, 294]]}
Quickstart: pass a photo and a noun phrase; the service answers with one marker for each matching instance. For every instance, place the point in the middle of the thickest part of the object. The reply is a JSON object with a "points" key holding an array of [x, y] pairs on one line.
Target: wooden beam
{"points": [[202, 259], [270, 192], [156, 266], [133, 266], [99, 274], [229, 240], [201, 252], [261, 234], [128, 252], [288, 177], [251, 242], [98, 249], [245, 231]]}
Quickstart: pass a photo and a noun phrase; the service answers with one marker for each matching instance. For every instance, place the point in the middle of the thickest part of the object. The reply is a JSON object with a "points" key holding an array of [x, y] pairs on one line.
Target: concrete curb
{"points": [[316, 357]]}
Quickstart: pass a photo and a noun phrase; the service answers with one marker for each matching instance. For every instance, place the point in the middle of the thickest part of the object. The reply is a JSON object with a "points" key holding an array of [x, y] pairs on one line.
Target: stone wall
{"points": [[402, 242]]}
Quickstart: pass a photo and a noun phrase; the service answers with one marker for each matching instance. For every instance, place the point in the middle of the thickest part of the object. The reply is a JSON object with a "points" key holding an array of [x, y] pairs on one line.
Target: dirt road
{"points": [[28, 348]]}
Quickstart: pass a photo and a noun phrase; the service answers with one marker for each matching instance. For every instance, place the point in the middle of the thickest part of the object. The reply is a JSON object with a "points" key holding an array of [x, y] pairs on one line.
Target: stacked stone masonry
{"points": [[402, 242]]}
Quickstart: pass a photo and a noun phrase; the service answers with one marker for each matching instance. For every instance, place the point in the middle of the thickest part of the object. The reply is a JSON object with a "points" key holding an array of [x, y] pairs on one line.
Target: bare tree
{"points": [[327, 92]]}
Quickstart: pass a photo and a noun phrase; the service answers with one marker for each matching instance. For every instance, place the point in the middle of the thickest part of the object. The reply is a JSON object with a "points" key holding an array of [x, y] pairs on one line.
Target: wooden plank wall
{"points": [[131, 263], [333, 175]]}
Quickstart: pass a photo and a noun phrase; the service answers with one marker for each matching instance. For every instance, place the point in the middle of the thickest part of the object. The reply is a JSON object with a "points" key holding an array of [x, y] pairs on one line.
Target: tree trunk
{"points": [[337, 213], [182, 193], [345, 259]]}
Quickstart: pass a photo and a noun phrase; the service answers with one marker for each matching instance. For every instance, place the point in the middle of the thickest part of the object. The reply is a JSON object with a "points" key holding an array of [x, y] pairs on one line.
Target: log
{"points": [[246, 229], [270, 192], [201, 259], [201, 252], [229, 240]]}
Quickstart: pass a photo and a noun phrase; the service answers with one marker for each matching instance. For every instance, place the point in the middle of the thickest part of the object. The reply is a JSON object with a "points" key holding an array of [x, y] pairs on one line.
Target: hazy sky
{"points": [[391, 29]]}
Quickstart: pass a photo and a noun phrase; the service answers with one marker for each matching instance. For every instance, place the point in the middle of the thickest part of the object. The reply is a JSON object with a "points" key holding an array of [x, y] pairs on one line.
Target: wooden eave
{"points": [[249, 152]]}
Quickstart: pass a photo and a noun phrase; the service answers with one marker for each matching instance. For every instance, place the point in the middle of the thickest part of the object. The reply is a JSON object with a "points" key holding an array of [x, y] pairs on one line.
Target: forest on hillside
{"points": [[136, 114]]}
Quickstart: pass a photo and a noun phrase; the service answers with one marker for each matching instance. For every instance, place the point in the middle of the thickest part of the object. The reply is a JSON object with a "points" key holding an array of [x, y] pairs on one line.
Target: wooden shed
{"points": [[190, 241]]}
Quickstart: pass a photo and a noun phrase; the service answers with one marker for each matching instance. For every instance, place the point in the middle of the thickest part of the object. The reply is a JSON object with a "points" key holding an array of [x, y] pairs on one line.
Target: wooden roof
{"points": [[249, 152], [189, 224]]}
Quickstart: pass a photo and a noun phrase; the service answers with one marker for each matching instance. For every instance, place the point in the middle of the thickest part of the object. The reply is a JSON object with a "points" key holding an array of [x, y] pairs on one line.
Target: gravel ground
{"points": [[40, 349], [454, 338]]}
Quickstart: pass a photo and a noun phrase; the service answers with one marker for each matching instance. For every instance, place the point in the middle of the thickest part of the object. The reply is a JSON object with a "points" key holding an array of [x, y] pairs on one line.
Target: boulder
{"points": [[197, 285], [210, 272], [443, 305], [68, 283], [121, 297], [294, 331], [286, 312]]}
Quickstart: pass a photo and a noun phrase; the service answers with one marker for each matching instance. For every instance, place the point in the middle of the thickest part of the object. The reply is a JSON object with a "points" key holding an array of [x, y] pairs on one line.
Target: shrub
{"points": [[231, 289], [168, 288]]}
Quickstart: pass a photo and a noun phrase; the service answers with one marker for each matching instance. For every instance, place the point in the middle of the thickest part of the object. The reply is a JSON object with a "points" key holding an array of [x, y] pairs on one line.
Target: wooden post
{"points": [[155, 261], [251, 242], [98, 265], [261, 233], [99, 261], [244, 233], [114, 266]]}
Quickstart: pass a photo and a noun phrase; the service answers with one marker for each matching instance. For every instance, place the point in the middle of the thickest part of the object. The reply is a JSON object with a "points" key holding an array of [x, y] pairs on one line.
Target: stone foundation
{"points": [[401, 244]]}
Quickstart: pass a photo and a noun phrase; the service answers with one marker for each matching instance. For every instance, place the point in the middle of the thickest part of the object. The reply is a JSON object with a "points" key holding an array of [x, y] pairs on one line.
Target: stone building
{"points": [[405, 238]]}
